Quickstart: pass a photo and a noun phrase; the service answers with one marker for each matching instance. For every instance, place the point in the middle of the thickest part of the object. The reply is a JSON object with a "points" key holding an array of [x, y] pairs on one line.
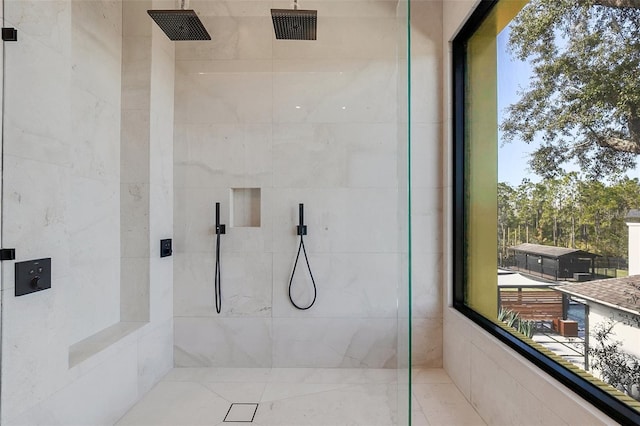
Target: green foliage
{"points": [[616, 367], [512, 319], [508, 316], [527, 327], [583, 100], [567, 212], [503, 313]]}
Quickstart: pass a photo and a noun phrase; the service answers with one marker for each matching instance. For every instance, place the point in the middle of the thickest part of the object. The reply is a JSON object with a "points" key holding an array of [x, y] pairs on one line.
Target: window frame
{"points": [[599, 398]]}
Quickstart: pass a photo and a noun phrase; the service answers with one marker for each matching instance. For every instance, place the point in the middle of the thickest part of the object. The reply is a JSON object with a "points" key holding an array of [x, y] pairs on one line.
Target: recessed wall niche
{"points": [[245, 207]]}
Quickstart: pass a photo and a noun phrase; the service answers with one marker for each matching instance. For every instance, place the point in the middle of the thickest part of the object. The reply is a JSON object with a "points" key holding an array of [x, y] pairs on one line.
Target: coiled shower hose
{"points": [[302, 230], [220, 229]]}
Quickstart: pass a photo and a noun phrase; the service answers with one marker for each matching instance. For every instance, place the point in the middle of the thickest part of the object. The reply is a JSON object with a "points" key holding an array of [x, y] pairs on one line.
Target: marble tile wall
{"points": [[62, 148], [503, 387], [306, 122], [427, 183], [135, 162], [93, 207]]}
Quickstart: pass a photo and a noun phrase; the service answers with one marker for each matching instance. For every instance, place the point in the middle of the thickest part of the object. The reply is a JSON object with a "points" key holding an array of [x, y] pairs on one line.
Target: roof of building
{"points": [[514, 279], [549, 251], [620, 293], [633, 215]]}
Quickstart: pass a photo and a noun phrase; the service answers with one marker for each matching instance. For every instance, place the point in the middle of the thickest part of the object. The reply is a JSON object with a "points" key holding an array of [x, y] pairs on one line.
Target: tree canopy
{"points": [[583, 100], [567, 212]]}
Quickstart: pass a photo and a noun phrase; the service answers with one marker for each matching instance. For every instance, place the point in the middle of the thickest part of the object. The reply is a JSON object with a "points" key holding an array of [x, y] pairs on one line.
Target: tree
{"points": [[506, 209], [567, 212], [616, 367], [583, 98]]}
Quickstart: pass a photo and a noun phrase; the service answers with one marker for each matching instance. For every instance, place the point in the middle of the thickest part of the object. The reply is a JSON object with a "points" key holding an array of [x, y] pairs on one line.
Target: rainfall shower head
{"points": [[296, 24], [180, 24]]}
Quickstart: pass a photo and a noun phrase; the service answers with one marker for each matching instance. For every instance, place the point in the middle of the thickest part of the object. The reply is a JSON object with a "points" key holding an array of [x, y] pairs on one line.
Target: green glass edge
{"points": [[409, 230]]}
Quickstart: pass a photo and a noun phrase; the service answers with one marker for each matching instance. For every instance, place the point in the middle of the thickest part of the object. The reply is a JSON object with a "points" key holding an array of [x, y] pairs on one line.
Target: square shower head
{"points": [[180, 24], [294, 24]]}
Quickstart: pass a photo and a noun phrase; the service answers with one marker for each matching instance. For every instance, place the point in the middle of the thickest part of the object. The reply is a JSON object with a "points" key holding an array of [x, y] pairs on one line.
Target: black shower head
{"points": [[180, 24], [296, 24]]}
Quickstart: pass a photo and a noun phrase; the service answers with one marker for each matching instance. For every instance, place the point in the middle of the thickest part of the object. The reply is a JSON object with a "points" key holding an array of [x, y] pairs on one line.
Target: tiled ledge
{"points": [[96, 343]]}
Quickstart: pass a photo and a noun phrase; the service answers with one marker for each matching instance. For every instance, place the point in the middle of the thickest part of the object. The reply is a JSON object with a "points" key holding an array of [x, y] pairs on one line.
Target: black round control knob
{"points": [[35, 283]]}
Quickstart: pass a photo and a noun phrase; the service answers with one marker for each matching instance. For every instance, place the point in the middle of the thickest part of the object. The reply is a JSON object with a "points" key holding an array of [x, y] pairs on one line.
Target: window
{"points": [[547, 188]]}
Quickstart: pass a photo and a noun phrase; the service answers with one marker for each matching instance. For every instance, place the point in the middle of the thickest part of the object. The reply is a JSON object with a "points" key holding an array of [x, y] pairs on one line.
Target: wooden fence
{"points": [[533, 304]]}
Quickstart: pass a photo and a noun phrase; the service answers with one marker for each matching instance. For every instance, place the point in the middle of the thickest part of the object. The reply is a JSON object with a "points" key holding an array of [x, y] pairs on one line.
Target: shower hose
{"points": [[217, 275], [220, 229], [302, 230]]}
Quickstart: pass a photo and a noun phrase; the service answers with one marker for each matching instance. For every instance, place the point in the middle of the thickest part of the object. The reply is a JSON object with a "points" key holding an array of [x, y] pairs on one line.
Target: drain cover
{"points": [[241, 412]]}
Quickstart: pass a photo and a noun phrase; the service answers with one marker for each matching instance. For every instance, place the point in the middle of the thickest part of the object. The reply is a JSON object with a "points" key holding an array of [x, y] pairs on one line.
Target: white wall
{"points": [[626, 328], [426, 167], [502, 386], [67, 357], [634, 248], [238, 126]]}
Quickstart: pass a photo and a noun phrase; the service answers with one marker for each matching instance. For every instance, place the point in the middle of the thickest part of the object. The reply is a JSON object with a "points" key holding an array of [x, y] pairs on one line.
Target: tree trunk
{"points": [[618, 3], [623, 145], [573, 231]]}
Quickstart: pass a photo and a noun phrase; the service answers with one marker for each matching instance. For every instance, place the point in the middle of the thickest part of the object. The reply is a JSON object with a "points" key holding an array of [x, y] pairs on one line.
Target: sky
{"points": [[513, 76]]}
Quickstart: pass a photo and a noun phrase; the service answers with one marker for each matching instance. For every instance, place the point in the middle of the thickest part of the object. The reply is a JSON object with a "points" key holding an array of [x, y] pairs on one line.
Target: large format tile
{"points": [[234, 97], [354, 405], [344, 38], [84, 403], [245, 285], [233, 155], [361, 285], [219, 375], [334, 342], [177, 403], [333, 375], [426, 342], [234, 392], [443, 404], [352, 92], [216, 342], [232, 37], [278, 391], [304, 397], [325, 155]]}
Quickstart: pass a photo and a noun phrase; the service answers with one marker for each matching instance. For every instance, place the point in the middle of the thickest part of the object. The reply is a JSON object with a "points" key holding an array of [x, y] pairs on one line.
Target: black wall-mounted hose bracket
{"points": [[9, 34]]}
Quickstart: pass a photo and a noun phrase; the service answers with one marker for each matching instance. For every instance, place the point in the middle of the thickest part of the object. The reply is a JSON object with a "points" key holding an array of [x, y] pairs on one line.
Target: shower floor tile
{"points": [[299, 397]]}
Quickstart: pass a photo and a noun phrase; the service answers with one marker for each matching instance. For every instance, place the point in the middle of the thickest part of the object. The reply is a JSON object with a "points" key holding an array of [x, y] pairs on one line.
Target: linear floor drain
{"points": [[241, 412]]}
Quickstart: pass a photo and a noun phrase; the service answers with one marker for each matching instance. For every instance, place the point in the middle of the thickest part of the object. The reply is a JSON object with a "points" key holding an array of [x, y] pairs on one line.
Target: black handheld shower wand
{"points": [[301, 231], [220, 229], [301, 228]]}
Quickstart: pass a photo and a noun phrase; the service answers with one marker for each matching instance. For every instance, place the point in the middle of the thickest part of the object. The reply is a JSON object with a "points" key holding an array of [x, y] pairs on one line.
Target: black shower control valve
{"points": [[301, 229], [166, 247], [221, 229], [32, 276]]}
